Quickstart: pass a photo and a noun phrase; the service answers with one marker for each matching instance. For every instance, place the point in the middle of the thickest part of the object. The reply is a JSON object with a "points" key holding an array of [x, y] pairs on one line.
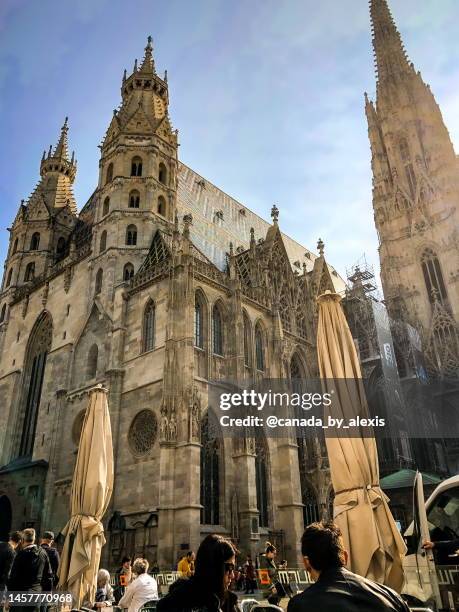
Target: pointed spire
{"points": [[275, 214], [390, 55], [148, 64], [62, 148]]}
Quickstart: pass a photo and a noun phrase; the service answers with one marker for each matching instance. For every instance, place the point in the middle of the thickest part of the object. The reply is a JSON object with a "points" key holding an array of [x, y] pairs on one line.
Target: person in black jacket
{"points": [[7, 553], [336, 589], [208, 589], [31, 570], [47, 544]]}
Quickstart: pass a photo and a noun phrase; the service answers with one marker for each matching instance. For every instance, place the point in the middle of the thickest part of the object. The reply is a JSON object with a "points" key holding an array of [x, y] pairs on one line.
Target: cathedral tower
{"points": [[415, 189], [40, 234]]}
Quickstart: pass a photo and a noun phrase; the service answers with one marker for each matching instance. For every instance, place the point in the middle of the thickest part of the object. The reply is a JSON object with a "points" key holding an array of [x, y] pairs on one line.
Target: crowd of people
{"points": [[208, 580]]}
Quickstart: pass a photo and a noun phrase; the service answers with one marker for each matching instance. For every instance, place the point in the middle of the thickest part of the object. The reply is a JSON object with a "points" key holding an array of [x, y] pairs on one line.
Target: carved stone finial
{"points": [[124, 75], [320, 247], [275, 214], [252, 238], [135, 65], [231, 251]]}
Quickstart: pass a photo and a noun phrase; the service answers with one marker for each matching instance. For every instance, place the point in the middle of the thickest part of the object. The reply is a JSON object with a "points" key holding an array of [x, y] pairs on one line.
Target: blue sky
{"points": [[267, 96]]}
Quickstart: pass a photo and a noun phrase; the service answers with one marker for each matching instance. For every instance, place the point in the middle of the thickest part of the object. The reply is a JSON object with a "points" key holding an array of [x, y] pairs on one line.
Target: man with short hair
{"points": [[46, 543], [7, 553], [185, 566], [336, 589], [31, 570]]}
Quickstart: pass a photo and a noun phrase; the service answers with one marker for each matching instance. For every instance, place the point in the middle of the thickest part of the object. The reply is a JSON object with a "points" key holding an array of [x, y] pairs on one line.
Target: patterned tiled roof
{"points": [[219, 219]]}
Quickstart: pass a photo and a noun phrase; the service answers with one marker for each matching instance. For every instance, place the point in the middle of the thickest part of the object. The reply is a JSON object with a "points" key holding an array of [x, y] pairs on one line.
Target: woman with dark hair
{"points": [[275, 590], [208, 588]]}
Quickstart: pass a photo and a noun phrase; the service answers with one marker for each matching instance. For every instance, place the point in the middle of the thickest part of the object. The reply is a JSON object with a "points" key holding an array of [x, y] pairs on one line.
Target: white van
{"points": [[432, 579]]}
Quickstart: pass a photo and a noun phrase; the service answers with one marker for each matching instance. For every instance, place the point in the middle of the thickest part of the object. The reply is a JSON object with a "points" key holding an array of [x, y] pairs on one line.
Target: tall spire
{"points": [[58, 160], [390, 56], [148, 63], [62, 148]]}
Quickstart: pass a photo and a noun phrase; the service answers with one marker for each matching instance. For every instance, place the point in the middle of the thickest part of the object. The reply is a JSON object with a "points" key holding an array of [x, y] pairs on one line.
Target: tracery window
{"points": [[15, 246], [38, 347], [29, 271], [149, 327], [198, 322], [61, 247], [259, 348], [143, 432], [136, 166], [210, 474], [261, 480], [247, 340], [35, 241], [162, 174], [134, 199], [128, 272], [217, 330], [409, 171], [99, 281], [161, 206], [106, 206], [433, 276], [103, 242], [93, 357], [109, 175], [131, 235], [9, 276]]}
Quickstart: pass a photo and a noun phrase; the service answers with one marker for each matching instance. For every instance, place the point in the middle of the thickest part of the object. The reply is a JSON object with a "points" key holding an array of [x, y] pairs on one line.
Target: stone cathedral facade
{"points": [[160, 283], [415, 201]]}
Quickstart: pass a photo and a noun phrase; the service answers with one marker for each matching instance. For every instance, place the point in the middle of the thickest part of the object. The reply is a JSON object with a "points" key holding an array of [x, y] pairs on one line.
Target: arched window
{"points": [[128, 272], [161, 206], [8, 278], [217, 330], [109, 174], [406, 160], [99, 280], [210, 474], [3, 313], [29, 271], [261, 480], [131, 235], [35, 241], [162, 174], [15, 246], [247, 340], [311, 512], [136, 166], [106, 206], [103, 242], [38, 347], [61, 247], [134, 199], [149, 327], [93, 356], [433, 276], [259, 348], [198, 322]]}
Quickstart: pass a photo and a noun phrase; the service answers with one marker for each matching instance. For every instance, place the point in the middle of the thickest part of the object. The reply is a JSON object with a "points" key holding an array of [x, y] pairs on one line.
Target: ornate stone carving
{"points": [[143, 432]]}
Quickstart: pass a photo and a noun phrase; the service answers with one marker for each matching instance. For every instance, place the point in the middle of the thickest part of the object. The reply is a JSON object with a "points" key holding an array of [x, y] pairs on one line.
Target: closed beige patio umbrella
{"points": [[92, 487], [374, 543]]}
